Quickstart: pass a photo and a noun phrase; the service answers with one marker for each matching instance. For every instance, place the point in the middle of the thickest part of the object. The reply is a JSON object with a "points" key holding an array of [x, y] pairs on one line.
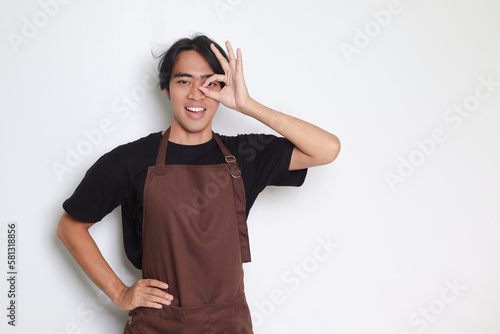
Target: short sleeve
{"points": [[280, 175], [99, 192], [264, 160]]}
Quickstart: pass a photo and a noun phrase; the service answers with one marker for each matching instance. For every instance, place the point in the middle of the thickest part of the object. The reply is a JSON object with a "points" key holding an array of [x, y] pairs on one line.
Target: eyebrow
{"points": [[182, 74]]}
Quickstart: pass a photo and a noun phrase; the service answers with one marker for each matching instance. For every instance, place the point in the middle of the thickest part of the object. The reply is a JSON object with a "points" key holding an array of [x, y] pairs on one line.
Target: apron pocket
{"points": [[171, 320], [231, 317], [228, 317]]}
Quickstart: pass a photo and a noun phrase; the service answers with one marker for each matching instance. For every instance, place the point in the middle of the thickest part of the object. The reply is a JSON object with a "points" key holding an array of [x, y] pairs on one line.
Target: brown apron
{"points": [[195, 239]]}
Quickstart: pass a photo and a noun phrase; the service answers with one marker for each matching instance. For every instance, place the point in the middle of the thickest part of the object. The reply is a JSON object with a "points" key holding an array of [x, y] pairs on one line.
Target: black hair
{"points": [[199, 43]]}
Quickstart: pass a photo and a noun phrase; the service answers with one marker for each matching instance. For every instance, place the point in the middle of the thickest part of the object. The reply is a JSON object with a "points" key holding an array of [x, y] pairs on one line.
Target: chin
{"points": [[195, 128]]}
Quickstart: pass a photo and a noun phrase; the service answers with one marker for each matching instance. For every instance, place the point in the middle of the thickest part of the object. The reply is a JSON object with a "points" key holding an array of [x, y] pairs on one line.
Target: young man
{"points": [[185, 194]]}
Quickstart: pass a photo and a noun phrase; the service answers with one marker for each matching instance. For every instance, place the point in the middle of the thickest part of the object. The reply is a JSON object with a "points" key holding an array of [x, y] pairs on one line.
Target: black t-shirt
{"points": [[118, 177]]}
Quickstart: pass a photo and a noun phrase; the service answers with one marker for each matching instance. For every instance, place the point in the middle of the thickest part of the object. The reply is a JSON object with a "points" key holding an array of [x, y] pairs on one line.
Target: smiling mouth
{"points": [[195, 113], [195, 110]]}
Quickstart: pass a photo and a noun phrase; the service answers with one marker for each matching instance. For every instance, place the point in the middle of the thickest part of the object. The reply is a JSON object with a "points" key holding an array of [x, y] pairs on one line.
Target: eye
{"points": [[183, 82], [213, 84]]}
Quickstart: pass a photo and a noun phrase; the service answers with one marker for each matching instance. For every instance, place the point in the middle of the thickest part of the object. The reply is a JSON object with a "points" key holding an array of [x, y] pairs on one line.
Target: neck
{"points": [[179, 135]]}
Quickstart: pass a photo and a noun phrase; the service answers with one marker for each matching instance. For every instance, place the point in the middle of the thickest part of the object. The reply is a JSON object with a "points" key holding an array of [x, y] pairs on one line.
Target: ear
{"points": [[166, 92]]}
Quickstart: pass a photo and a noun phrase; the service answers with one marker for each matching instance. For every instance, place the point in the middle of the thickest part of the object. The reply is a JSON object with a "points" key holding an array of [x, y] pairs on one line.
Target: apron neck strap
{"points": [[230, 159], [162, 151]]}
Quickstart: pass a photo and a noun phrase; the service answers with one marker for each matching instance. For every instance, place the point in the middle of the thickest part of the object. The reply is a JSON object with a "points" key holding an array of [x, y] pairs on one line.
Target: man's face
{"points": [[193, 111]]}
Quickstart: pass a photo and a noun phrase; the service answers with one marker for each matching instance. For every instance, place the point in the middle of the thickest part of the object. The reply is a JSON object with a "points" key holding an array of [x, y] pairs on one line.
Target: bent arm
{"points": [[75, 235], [313, 145]]}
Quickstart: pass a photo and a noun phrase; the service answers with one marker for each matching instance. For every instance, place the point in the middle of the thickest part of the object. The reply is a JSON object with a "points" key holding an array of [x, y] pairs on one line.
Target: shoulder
{"points": [[129, 158], [251, 145], [140, 146], [249, 138], [144, 147], [108, 183]]}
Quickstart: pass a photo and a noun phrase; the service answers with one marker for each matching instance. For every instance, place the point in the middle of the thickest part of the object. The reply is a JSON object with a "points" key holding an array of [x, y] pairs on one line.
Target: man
{"points": [[185, 194]]}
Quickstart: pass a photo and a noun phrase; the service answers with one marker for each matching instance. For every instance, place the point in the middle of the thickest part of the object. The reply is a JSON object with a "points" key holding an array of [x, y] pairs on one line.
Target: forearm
{"points": [[77, 239], [320, 146], [143, 293]]}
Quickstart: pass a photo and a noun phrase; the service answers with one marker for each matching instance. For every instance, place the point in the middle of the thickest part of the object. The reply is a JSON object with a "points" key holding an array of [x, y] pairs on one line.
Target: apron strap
{"points": [[230, 159], [162, 151], [239, 198]]}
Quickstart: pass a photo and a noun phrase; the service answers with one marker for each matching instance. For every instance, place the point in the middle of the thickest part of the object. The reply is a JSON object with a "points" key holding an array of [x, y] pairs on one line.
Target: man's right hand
{"points": [[144, 293]]}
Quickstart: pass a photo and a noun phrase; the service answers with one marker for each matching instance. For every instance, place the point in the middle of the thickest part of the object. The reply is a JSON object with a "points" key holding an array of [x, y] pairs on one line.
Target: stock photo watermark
{"points": [[453, 117], [202, 195], [31, 26], [88, 310], [121, 107], [364, 36], [293, 278], [253, 145], [85, 312], [425, 315], [12, 272], [224, 6]]}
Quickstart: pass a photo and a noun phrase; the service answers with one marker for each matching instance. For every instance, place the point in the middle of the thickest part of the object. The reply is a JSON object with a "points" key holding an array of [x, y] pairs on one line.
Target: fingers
{"points": [[210, 93], [145, 293], [230, 53], [207, 91], [152, 289], [223, 61], [232, 78], [239, 60], [156, 298], [155, 283], [215, 77], [233, 61]]}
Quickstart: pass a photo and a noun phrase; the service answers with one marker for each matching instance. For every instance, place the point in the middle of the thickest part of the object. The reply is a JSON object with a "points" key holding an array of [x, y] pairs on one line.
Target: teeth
{"points": [[196, 109]]}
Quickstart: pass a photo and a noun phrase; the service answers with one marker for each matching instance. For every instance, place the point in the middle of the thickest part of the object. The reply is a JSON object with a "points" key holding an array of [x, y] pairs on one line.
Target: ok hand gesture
{"points": [[234, 95]]}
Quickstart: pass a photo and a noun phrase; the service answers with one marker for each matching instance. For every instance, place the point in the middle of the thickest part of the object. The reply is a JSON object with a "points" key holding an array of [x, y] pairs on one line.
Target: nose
{"points": [[196, 94]]}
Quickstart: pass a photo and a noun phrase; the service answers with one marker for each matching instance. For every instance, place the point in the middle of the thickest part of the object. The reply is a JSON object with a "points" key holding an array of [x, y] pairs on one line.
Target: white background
{"points": [[400, 247]]}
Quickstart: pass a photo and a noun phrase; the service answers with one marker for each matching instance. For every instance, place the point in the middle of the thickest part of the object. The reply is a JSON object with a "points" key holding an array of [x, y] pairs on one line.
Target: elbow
{"points": [[60, 230], [65, 228], [70, 229], [331, 150]]}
